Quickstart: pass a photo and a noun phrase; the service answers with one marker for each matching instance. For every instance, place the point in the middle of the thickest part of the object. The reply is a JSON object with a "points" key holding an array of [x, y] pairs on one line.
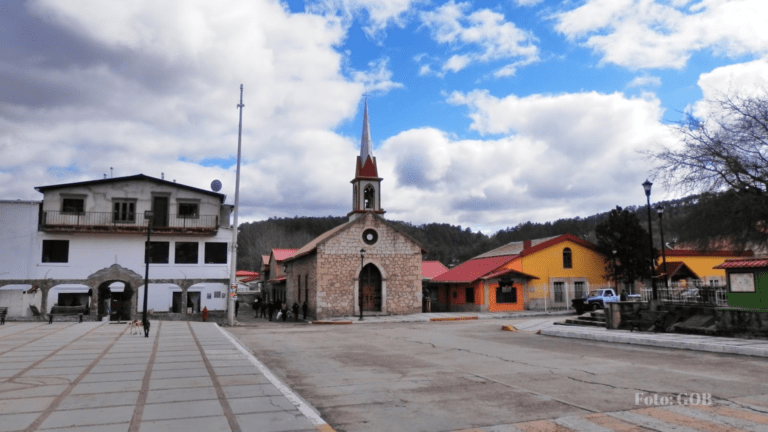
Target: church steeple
{"points": [[366, 186]]}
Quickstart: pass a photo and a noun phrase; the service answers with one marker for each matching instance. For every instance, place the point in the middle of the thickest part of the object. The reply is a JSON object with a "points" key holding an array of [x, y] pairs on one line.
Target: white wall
{"points": [[89, 253], [160, 296], [83, 294], [18, 239], [17, 300]]}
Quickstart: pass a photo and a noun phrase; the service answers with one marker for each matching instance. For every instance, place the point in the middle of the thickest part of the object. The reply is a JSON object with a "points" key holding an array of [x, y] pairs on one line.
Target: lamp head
{"points": [[660, 210], [362, 253], [647, 186]]}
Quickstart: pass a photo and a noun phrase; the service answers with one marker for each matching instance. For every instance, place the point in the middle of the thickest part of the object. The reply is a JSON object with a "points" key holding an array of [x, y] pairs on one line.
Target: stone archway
{"points": [[115, 273]]}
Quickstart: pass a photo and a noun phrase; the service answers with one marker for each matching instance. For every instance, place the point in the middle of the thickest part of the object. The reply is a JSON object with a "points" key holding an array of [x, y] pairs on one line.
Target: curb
{"points": [[331, 322], [467, 318], [694, 344], [309, 412]]}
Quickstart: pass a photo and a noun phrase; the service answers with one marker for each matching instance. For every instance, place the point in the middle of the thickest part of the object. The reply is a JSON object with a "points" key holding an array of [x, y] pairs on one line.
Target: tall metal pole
{"points": [[647, 186], [233, 255], [147, 215], [660, 210]]}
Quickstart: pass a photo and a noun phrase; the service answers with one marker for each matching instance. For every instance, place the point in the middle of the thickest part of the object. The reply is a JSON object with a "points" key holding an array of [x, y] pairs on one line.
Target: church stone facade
{"points": [[366, 259]]}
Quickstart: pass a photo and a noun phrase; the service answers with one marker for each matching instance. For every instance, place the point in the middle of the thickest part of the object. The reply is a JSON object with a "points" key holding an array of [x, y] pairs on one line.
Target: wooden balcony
{"points": [[108, 222]]}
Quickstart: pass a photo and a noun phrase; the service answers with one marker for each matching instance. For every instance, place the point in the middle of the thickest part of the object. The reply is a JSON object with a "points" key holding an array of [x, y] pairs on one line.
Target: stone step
{"points": [[582, 323]]}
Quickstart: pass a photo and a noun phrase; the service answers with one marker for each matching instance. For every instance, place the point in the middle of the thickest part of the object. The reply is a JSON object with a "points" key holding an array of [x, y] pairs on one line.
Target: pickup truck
{"points": [[596, 300]]}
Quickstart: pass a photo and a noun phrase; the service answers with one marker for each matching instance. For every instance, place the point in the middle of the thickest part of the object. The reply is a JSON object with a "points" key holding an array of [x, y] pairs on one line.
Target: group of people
{"points": [[266, 309]]}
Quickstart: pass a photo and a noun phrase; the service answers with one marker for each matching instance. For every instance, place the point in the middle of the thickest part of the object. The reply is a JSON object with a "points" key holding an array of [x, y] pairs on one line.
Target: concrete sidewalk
{"points": [[751, 347], [439, 316], [98, 377]]}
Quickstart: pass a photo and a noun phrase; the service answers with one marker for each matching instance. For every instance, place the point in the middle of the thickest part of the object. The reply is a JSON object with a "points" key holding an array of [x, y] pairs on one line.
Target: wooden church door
{"points": [[370, 288]]}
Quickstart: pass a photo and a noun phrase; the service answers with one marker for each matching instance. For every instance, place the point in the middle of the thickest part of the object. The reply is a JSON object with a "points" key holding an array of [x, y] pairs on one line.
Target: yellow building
{"points": [[531, 274], [703, 263]]}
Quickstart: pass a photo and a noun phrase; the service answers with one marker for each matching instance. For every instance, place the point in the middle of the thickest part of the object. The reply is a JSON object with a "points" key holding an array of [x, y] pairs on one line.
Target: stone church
{"points": [[366, 258]]}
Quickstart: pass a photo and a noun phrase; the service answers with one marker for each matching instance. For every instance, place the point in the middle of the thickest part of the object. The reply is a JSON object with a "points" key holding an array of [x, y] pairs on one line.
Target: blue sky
{"points": [[483, 114]]}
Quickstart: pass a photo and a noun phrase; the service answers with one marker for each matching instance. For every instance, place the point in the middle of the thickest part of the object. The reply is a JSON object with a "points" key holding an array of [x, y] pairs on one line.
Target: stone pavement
{"points": [[716, 344], [99, 377]]}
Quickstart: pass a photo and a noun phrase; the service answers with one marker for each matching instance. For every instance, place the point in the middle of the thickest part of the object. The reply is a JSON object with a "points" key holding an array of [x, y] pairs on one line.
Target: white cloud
{"points": [[380, 13], [557, 156], [378, 78], [645, 81], [640, 34], [485, 34], [741, 79], [527, 2], [155, 91]]}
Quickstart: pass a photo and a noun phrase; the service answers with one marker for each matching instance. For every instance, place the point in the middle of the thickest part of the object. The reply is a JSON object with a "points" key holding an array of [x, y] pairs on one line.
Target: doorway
{"points": [[370, 288], [160, 210]]}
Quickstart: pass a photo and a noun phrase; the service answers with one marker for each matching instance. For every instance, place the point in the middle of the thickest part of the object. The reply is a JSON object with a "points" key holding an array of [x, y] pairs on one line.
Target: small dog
{"points": [[135, 326]]}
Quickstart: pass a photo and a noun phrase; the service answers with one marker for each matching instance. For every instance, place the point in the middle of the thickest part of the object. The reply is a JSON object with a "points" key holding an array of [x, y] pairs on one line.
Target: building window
{"points": [[742, 282], [158, 252], [506, 294], [578, 290], [370, 236], [567, 258], [124, 210], [55, 251], [189, 209], [73, 205], [215, 253], [186, 253], [470, 295], [559, 292]]}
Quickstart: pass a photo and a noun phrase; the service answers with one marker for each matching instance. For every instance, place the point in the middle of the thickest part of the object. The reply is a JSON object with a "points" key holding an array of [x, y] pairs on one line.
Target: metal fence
{"points": [[558, 296], [690, 294], [110, 219]]}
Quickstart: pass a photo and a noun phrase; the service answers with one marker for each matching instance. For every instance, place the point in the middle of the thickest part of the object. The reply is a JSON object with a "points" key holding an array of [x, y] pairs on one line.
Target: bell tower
{"points": [[366, 186]]}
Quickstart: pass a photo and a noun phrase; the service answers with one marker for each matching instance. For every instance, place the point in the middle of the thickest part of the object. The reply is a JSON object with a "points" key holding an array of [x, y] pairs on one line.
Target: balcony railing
{"points": [[690, 294], [111, 222]]}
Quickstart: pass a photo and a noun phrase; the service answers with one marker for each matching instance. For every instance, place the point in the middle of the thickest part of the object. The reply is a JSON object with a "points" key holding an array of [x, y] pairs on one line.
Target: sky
{"points": [[483, 114]]}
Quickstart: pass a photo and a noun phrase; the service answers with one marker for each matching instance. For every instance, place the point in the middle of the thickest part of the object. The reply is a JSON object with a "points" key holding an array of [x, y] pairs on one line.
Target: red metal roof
{"points": [[474, 269], [743, 263], [250, 279], [281, 254], [431, 269], [280, 279], [504, 272], [673, 268], [693, 252], [246, 273]]}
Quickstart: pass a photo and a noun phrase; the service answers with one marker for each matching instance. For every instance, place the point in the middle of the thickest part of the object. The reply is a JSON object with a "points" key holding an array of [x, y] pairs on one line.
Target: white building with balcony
{"points": [[84, 244]]}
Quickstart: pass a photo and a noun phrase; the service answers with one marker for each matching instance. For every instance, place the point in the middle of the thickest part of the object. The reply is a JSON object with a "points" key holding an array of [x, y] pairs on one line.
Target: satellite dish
{"points": [[215, 185]]}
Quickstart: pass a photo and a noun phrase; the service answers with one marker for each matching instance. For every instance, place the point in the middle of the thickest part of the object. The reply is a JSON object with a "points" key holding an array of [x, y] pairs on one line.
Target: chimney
{"points": [[162, 176], [526, 244]]}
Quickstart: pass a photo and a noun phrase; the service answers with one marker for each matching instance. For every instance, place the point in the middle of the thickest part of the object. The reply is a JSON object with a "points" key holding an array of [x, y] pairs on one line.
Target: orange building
{"points": [[531, 274], [703, 263]]}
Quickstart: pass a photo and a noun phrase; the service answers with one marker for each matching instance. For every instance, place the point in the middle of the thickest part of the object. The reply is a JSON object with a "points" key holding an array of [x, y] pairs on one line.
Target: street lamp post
{"points": [[285, 273], [647, 187], [615, 279], [148, 215], [660, 211], [360, 284]]}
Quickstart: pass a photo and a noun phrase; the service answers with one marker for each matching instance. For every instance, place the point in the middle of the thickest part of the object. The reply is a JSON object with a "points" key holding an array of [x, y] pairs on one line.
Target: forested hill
{"points": [[446, 243]]}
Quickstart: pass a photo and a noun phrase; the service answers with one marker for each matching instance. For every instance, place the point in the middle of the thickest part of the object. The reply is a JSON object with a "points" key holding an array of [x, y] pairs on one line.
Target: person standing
{"points": [[295, 310], [304, 308], [284, 310], [263, 312]]}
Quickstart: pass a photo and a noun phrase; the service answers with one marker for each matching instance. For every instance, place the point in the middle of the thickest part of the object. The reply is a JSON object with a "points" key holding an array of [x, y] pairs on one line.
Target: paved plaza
{"points": [[99, 377], [470, 375]]}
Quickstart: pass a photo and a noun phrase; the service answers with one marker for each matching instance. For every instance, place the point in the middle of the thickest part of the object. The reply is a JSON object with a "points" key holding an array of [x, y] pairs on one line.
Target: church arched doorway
{"points": [[370, 288]]}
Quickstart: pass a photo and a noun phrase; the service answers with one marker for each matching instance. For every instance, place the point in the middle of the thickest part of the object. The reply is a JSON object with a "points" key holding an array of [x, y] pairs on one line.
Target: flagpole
{"points": [[233, 255]]}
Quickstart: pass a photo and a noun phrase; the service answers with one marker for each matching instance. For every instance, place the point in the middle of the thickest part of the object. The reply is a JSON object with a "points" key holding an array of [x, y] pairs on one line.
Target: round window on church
{"points": [[370, 236]]}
